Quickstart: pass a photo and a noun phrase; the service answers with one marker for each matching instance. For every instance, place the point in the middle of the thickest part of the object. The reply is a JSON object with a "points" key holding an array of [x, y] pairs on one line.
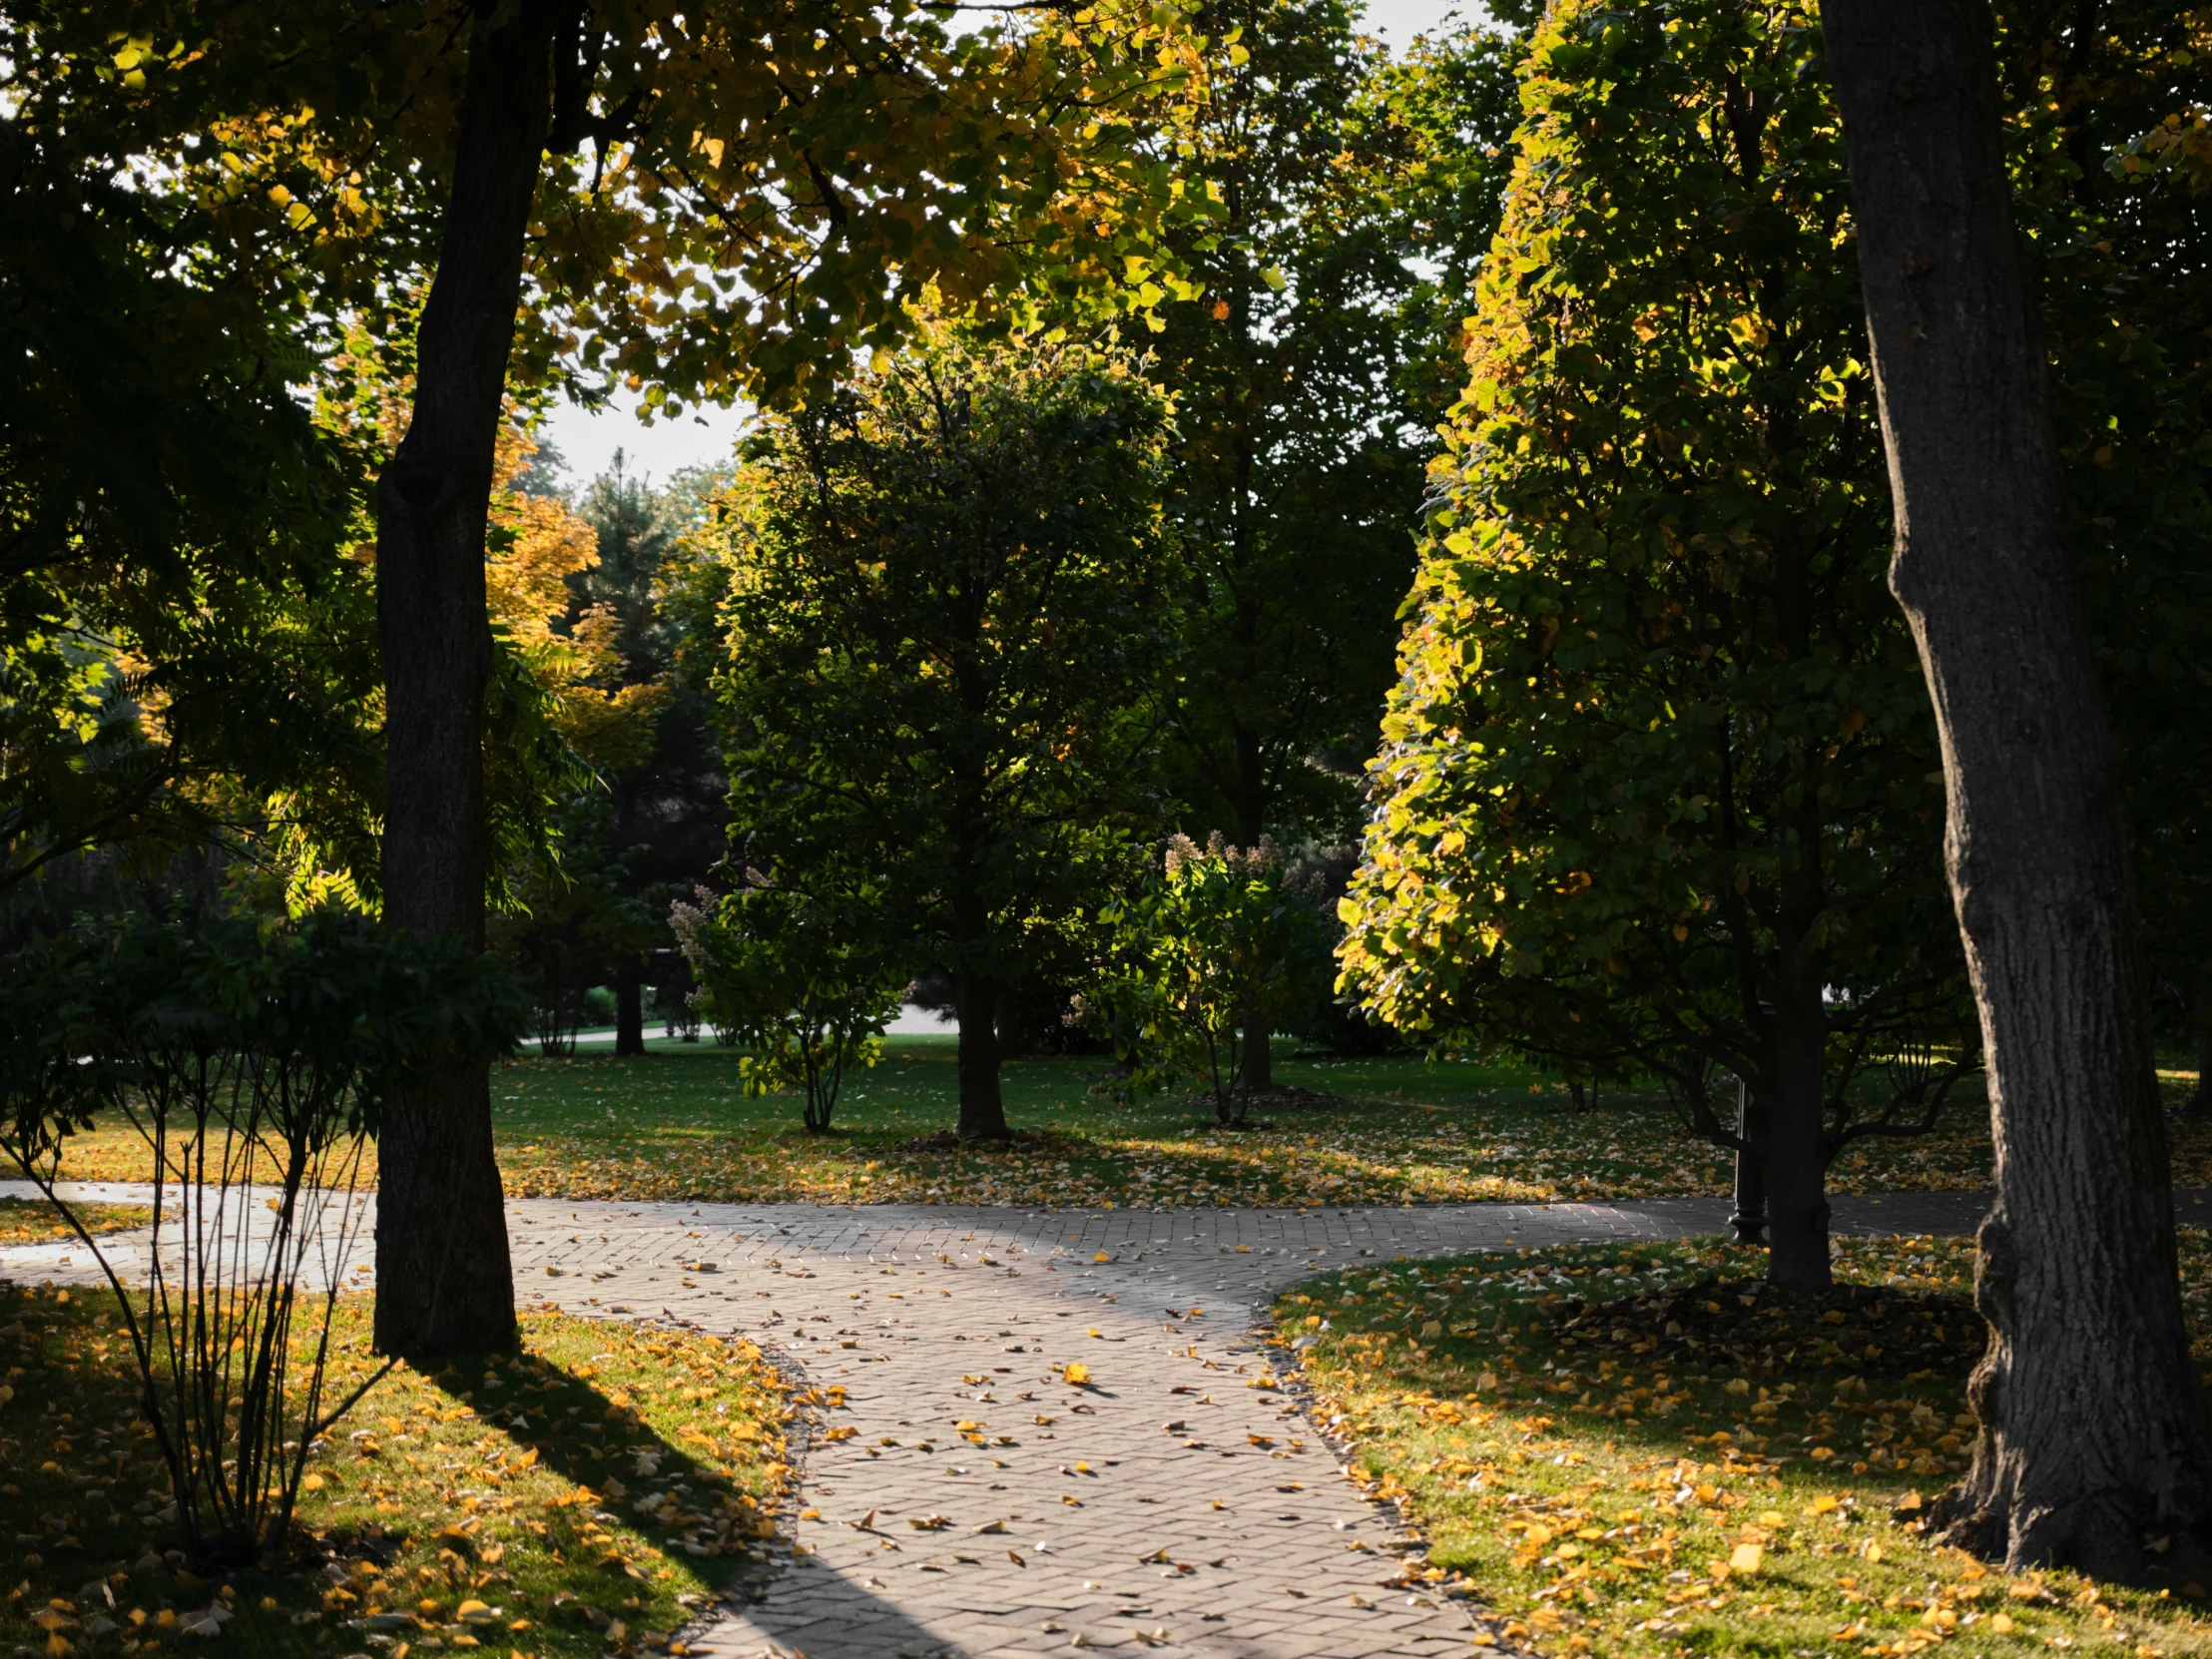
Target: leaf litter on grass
{"points": [[677, 1125], [1732, 1486], [26, 1220], [584, 1495]]}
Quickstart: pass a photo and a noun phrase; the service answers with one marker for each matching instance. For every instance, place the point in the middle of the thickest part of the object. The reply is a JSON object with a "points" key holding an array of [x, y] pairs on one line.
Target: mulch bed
{"points": [[1746, 1325]]}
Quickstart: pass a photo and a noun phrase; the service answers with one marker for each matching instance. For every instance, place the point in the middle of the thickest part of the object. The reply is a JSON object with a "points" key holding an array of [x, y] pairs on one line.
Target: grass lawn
{"points": [[676, 1124], [581, 1496], [1737, 1480], [26, 1221]]}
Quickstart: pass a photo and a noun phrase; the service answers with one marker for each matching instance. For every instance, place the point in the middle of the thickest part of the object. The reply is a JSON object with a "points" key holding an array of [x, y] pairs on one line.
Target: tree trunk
{"points": [[629, 1008], [1009, 1025], [1749, 1222], [444, 1284], [1792, 1157], [2200, 1098], [1259, 1055], [982, 1109], [2092, 1436]]}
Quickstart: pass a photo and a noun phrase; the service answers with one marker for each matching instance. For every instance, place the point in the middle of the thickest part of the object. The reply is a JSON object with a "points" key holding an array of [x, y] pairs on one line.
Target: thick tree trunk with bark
{"points": [[2092, 1437], [1010, 1023], [1792, 1157], [1259, 1055], [444, 1284], [2200, 1098], [629, 1008], [983, 1108]]}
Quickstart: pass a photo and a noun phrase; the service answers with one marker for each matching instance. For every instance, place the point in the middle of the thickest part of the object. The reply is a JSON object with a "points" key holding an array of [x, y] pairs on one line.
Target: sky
{"points": [[588, 441]]}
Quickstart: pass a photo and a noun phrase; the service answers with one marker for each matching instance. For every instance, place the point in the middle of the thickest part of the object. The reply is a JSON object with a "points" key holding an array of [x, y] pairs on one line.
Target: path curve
{"points": [[1209, 1516]]}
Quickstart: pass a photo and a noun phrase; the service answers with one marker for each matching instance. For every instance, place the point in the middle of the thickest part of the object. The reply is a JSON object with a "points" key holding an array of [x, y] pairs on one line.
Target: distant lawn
{"points": [[674, 1124]]}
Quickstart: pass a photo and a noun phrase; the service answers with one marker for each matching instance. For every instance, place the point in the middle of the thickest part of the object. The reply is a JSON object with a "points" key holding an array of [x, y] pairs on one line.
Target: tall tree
{"points": [[665, 805], [1652, 792], [950, 592], [441, 1234], [733, 201], [2092, 1441], [1305, 410], [2105, 113]]}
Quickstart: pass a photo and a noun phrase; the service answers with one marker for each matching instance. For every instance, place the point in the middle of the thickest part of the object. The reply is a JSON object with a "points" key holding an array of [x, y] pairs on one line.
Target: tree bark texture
{"points": [[983, 1107], [444, 1284], [1259, 1055], [629, 1008], [1790, 1145], [2092, 1436]]}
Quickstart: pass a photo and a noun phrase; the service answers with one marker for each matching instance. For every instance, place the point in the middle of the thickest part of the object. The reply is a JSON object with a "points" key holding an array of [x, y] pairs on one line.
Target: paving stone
{"points": [[930, 1316]]}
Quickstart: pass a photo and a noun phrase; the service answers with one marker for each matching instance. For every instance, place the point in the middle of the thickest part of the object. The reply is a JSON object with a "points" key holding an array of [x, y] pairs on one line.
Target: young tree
{"points": [[1217, 945], [948, 611], [2092, 1442], [1652, 794], [806, 981]]}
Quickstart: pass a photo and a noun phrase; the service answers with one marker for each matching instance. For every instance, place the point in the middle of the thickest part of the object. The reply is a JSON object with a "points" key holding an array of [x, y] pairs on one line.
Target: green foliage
{"points": [[181, 636], [1659, 789], [2107, 164], [1217, 942], [1306, 396], [733, 201], [948, 612], [304, 1026], [805, 983], [248, 1060]]}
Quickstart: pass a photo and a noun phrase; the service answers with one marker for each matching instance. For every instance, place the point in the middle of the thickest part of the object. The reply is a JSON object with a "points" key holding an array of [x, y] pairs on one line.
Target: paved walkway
{"points": [[979, 1504]]}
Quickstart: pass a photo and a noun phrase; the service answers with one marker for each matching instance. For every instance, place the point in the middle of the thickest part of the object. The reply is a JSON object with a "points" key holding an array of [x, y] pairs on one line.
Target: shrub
{"points": [[806, 985], [1218, 941], [252, 1060]]}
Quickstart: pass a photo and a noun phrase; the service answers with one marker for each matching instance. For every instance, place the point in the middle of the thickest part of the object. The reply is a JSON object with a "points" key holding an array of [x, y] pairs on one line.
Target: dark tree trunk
{"points": [[1259, 1055], [2092, 1436], [2200, 1098], [982, 1109], [629, 1008], [1008, 1024], [443, 1280], [1792, 1158]]}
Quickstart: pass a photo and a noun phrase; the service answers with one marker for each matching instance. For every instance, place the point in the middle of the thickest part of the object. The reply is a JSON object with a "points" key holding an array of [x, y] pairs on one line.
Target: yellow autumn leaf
{"points": [[1078, 1373]]}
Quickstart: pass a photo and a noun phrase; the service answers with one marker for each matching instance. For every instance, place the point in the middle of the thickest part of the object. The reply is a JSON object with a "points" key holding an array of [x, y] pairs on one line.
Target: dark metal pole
{"points": [[1750, 1219]]}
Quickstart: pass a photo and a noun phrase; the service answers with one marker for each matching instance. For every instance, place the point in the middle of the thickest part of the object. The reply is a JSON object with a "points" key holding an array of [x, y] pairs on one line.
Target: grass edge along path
{"points": [[584, 1496], [1598, 1503], [32, 1220]]}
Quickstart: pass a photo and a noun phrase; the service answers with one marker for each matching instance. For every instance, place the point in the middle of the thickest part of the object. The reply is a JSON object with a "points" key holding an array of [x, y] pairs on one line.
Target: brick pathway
{"points": [[980, 1506]]}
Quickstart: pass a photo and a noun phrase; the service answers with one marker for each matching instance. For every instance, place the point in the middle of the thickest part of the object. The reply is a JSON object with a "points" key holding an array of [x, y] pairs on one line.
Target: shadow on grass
{"points": [[538, 1488]]}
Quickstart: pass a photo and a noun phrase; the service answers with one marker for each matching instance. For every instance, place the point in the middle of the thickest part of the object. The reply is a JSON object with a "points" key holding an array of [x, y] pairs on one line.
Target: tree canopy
{"points": [[949, 599], [1655, 789]]}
